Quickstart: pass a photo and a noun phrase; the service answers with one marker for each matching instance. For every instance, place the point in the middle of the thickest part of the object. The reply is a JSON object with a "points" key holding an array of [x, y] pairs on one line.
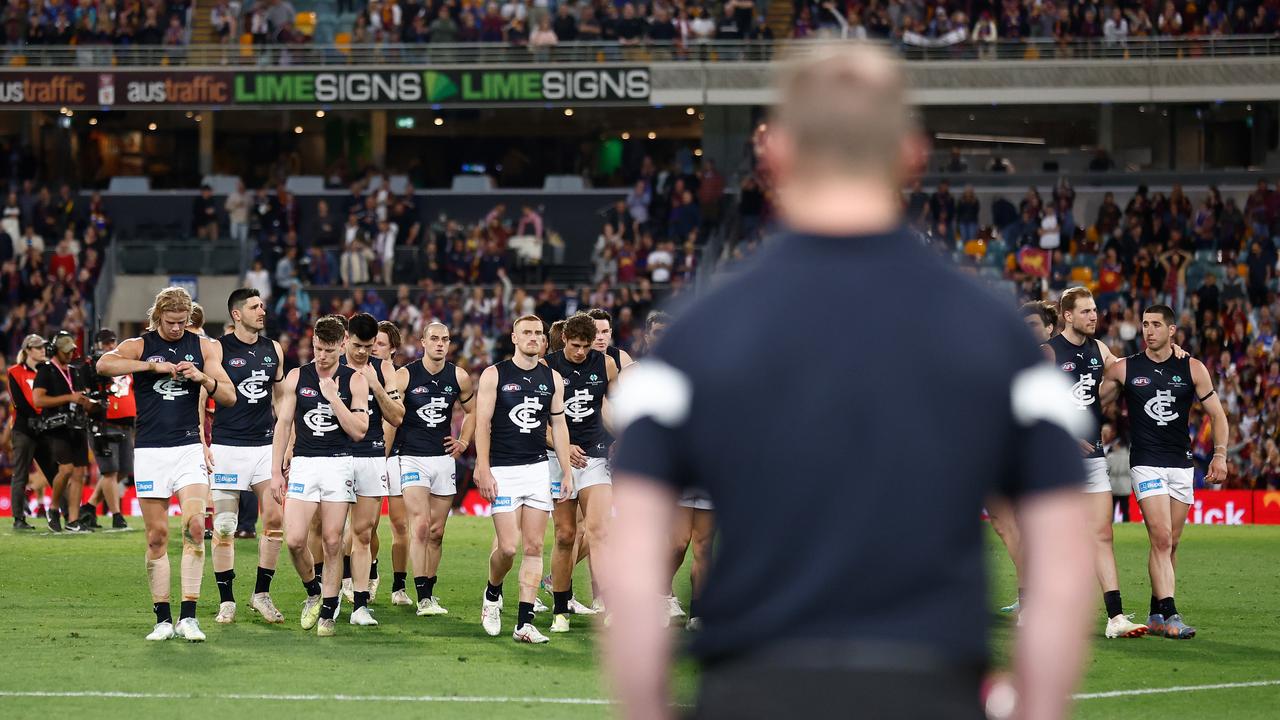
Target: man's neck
{"points": [[822, 207], [1074, 336], [433, 366], [525, 362], [31, 364], [322, 371], [1160, 355], [351, 363], [62, 365], [245, 335]]}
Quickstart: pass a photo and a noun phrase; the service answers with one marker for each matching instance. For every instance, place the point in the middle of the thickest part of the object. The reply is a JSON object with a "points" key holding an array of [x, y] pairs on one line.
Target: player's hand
{"points": [[284, 466], [455, 447], [1178, 352], [329, 390], [1086, 448], [1217, 470], [566, 486], [486, 484], [165, 368], [189, 371], [277, 488], [208, 457], [368, 372], [577, 458]]}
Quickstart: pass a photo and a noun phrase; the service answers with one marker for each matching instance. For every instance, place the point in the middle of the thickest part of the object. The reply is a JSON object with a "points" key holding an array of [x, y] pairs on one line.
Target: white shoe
{"points": [[325, 628], [578, 608], [491, 616], [162, 631], [226, 613], [431, 606], [1121, 626], [261, 604], [539, 606], [348, 590], [560, 624], [400, 597], [362, 616], [529, 634], [188, 629], [373, 589], [310, 612], [694, 624], [673, 607]]}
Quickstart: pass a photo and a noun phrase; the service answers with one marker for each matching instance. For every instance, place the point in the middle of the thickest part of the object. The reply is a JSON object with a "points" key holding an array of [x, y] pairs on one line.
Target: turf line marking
{"points": [[1176, 689], [326, 698]]}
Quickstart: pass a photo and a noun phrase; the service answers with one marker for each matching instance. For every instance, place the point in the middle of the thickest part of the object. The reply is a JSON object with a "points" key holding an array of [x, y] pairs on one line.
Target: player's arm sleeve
{"points": [[1043, 424], [650, 407]]}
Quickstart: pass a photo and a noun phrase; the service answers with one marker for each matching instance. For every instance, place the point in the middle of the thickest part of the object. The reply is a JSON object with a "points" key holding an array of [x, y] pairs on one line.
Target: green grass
{"points": [[76, 610]]}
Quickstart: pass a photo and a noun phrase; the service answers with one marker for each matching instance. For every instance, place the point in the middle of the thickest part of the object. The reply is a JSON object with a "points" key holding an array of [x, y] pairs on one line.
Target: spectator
{"points": [[1116, 29], [204, 215], [443, 29], [661, 261], [384, 248], [530, 222], [942, 210], [967, 209], [353, 267], [710, 193], [371, 303], [259, 279]]}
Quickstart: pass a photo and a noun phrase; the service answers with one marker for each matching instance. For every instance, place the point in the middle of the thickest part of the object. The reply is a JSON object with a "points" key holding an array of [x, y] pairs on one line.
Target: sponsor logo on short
{"points": [[409, 477], [555, 488], [504, 501], [225, 478], [511, 387], [308, 392], [1141, 381], [1148, 485], [143, 486], [1068, 366], [236, 362], [297, 487]]}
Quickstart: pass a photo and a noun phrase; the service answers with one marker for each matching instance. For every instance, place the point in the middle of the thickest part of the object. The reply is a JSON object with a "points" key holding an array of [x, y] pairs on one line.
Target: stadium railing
{"points": [[612, 52]]}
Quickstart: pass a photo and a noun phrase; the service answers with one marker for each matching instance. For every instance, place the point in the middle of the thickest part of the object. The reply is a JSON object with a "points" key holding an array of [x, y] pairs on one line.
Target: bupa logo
{"points": [[524, 415], [320, 420], [169, 388], [578, 407], [1149, 485], [254, 387], [1141, 381], [1068, 367], [418, 390], [502, 502], [555, 488], [308, 392], [225, 478], [409, 478], [297, 487], [1159, 409], [511, 387], [143, 486], [432, 413], [236, 362]]}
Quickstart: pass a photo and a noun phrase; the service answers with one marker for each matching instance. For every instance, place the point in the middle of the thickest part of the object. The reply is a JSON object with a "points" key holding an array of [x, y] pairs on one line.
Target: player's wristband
{"points": [[559, 413]]}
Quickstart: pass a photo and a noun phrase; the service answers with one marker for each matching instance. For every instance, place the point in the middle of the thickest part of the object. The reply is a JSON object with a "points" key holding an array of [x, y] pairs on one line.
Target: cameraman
{"points": [[112, 438], [26, 425], [65, 411]]}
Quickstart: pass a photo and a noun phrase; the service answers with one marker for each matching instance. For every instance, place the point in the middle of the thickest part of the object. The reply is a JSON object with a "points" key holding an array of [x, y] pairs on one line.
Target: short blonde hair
{"points": [[197, 317], [170, 299], [844, 108]]}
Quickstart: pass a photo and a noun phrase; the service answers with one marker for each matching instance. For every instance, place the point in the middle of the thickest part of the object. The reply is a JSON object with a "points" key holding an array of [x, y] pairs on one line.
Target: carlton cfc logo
{"points": [[308, 392], [236, 362], [525, 415]]}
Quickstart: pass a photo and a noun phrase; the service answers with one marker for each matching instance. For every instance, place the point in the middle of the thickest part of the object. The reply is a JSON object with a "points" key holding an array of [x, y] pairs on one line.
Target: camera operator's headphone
{"points": [[61, 342]]}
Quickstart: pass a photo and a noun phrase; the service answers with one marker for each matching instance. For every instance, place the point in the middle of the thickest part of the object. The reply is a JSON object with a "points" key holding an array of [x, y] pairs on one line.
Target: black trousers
{"points": [[24, 451], [762, 690]]}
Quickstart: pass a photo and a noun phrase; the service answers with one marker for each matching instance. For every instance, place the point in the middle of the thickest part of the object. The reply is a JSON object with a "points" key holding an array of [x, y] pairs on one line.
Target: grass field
{"points": [[76, 612]]}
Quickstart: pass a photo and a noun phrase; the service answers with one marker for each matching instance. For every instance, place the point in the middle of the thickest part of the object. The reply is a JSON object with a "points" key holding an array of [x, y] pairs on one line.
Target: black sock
{"points": [[346, 567], [188, 609], [319, 569], [224, 578], [1111, 599], [397, 581], [560, 602], [694, 607], [373, 569], [328, 607], [313, 587], [420, 584], [361, 598], [431, 586], [162, 611], [493, 593], [525, 614], [263, 585], [1155, 605], [1167, 608]]}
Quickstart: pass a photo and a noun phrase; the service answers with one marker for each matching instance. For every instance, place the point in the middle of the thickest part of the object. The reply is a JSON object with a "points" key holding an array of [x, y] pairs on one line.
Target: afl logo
{"points": [[511, 387], [156, 358], [418, 390], [308, 392], [236, 362], [1141, 381], [1068, 367]]}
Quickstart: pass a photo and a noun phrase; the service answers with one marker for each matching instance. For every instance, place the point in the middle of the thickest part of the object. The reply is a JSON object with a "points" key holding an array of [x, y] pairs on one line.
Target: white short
{"points": [[159, 473], [1097, 479], [696, 499], [1177, 483], [527, 485], [370, 476], [595, 473], [393, 476], [322, 479], [240, 468], [437, 474]]}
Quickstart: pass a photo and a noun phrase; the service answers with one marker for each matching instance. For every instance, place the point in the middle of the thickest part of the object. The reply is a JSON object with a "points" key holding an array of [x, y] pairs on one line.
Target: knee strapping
{"points": [[158, 578], [224, 527]]}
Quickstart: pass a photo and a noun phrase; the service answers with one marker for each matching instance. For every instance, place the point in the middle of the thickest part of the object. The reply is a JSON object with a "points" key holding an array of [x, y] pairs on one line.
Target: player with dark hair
{"points": [[604, 338]]}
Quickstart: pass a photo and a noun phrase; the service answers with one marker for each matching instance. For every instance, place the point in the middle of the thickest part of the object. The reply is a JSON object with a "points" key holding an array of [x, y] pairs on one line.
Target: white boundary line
{"points": [[294, 697], [1175, 689]]}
